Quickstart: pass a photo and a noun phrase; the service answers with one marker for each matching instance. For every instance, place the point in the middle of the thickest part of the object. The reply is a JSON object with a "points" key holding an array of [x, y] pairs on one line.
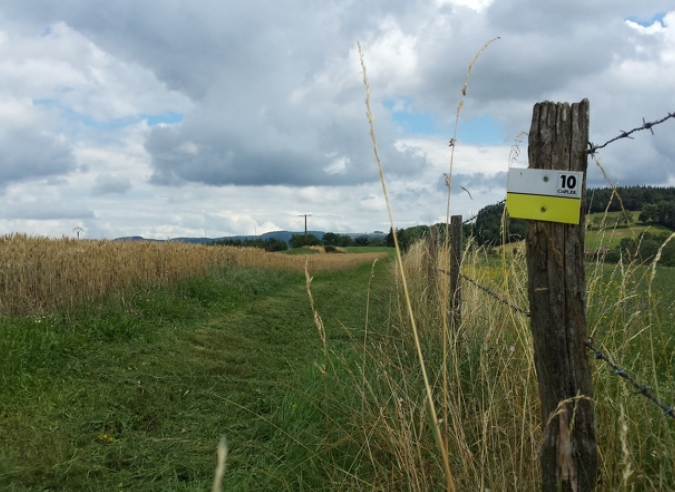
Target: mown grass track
{"points": [[135, 395]]}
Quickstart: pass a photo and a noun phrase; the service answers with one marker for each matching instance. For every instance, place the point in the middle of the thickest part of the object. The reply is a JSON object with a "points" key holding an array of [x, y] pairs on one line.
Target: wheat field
{"points": [[41, 275]]}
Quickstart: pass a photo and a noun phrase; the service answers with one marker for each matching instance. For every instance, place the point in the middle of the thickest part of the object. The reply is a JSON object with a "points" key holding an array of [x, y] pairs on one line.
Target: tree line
{"points": [[330, 241], [266, 244], [655, 204], [631, 198], [408, 237]]}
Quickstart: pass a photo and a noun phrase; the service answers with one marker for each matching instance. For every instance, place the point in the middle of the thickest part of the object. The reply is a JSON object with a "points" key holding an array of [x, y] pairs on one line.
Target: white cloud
{"points": [[273, 104], [468, 159], [373, 203], [64, 69], [392, 57], [477, 5], [338, 166]]}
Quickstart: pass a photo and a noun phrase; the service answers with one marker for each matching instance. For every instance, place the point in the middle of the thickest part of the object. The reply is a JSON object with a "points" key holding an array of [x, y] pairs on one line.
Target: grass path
{"points": [[136, 398]]}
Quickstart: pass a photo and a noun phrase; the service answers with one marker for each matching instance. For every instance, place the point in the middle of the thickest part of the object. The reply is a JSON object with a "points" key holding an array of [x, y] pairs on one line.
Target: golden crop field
{"points": [[41, 275]]}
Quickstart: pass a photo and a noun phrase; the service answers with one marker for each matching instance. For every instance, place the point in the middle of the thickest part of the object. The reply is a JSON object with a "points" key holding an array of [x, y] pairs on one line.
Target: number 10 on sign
{"points": [[543, 194], [568, 181]]}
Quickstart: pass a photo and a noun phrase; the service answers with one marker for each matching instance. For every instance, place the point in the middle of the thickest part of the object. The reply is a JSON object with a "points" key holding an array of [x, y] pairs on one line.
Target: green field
{"points": [[614, 229], [135, 394], [607, 230]]}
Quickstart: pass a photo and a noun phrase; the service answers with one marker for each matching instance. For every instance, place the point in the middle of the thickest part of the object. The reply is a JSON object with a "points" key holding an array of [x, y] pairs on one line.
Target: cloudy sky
{"points": [[167, 118]]}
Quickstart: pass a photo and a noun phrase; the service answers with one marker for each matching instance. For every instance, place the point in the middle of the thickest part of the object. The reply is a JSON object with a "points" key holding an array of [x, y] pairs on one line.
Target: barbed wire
{"points": [[592, 149], [599, 355], [644, 390], [492, 293], [470, 219], [476, 216]]}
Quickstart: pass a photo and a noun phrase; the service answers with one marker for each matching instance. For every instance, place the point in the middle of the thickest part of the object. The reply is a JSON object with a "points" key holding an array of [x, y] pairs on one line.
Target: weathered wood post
{"points": [[558, 140], [455, 265]]}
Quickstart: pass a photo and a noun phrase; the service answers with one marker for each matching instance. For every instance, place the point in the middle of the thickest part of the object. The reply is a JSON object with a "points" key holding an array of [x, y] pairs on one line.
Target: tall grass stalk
{"points": [[453, 141], [495, 397], [446, 294], [430, 400]]}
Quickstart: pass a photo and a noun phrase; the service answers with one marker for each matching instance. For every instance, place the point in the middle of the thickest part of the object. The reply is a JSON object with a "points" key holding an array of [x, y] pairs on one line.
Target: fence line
{"points": [[644, 390], [579, 111], [495, 295], [589, 343], [474, 217], [592, 149]]}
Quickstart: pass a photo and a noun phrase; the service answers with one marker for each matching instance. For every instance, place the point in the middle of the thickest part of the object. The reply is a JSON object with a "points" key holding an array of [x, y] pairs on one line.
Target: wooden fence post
{"points": [[558, 140], [455, 265]]}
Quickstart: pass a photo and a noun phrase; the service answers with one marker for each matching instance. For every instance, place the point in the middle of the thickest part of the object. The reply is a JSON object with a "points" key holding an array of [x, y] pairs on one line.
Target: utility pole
{"points": [[305, 216]]}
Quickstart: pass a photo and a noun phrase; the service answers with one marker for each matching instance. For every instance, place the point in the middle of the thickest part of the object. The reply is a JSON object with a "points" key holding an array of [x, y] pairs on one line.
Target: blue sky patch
{"points": [[483, 130], [415, 123], [44, 102], [411, 122], [648, 21], [112, 124]]}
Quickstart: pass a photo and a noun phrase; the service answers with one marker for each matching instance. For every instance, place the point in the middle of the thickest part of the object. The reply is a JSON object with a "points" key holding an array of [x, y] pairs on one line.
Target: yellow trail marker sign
{"points": [[543, 194]]}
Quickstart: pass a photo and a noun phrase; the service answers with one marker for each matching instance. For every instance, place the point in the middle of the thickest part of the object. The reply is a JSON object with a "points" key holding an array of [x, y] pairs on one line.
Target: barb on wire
{"points": [[644, 390], [592, 149], [495, 295]]}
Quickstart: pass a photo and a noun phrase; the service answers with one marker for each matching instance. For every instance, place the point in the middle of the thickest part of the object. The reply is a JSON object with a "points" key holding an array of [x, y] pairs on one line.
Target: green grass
{"points": [[495, 421], [609, 235], [615, 230], [370, 249], [630, 317], [135, 395]]}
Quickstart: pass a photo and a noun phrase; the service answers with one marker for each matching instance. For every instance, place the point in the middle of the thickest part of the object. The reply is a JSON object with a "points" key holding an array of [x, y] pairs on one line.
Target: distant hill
{"points": [[137, 238]]}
